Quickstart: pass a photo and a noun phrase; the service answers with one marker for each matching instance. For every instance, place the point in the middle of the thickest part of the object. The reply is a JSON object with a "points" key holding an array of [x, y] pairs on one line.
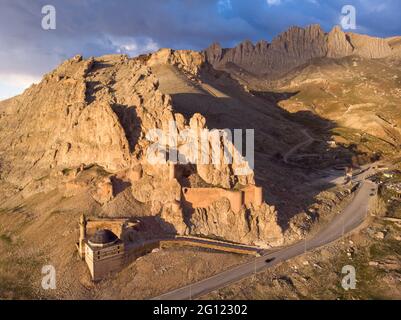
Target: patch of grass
{"points": [[11, 289], [6, 239], [66, 171], [20, 274], [99, 170], [393, 206], [43, 178], [381, 250], [363, 142], [367, 278], [18, 209]]}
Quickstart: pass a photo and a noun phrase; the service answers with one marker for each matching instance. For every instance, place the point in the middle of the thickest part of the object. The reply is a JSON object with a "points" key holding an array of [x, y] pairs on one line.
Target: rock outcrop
{"points": [[187, 60], [100, 113], [253, 225], [338, 44], [53, 126], [394, 43]]}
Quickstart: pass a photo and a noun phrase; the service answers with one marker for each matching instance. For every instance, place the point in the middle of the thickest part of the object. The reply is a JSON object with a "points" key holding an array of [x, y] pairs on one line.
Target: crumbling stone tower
{"points": [[82, 236]]}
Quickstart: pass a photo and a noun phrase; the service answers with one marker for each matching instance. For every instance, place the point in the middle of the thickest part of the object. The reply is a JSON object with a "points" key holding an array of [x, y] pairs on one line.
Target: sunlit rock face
{"points": [[85, 128]]}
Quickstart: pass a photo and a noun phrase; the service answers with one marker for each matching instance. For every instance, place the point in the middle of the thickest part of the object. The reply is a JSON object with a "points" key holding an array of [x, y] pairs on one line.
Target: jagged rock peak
{"points": [[187, 60], [338, 44], [214, 53]]}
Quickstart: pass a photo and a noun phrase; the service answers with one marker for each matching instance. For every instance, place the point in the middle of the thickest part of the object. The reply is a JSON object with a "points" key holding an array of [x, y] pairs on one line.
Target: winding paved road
{"points": [[352, 217]]}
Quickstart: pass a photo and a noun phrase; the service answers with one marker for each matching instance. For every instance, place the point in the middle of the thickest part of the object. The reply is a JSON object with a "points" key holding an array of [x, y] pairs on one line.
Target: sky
{"points": [[97, 27]]}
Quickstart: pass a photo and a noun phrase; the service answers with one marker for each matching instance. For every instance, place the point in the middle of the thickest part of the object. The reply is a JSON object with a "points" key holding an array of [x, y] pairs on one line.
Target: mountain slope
{"points": [[353, 92]]}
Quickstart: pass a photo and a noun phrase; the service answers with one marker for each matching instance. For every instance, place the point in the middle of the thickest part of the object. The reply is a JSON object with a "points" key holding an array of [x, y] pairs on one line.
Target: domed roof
{"points": [[102, 237]]}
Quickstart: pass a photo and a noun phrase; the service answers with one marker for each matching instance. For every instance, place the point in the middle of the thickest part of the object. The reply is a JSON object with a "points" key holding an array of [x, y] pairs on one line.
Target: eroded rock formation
{"points": [[85, 128]]}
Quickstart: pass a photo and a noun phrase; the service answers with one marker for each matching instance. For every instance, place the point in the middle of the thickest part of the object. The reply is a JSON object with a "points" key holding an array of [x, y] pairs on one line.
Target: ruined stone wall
{"points": [[205, 197], [253, 195], [138, 250], [116, 226], [208, 245]]}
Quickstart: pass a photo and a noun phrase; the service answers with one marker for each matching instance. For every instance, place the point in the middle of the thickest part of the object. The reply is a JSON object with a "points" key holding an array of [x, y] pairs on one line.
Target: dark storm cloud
{"points": [[95, 27]]}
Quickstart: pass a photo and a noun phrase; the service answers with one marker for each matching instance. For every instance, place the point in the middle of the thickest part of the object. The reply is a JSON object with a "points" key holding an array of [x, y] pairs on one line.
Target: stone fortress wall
{"points": [[116, 226], [205, 197], [250, 195]]}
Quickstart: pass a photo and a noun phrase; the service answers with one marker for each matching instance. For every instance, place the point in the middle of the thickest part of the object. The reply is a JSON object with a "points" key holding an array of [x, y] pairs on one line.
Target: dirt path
{"points": [[309, 140]]}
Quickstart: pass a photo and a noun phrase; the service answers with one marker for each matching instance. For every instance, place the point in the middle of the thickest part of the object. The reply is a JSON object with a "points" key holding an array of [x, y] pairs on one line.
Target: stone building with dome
{"points": [[102, 244]]}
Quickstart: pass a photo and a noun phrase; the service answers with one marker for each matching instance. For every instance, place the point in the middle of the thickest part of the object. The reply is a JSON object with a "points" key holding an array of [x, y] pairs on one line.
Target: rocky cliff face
{"points": [[186, 60], [54, 124], [98, 112], [370, 47], [295, 47], [338, 45], [253, 225], [91, 111]]}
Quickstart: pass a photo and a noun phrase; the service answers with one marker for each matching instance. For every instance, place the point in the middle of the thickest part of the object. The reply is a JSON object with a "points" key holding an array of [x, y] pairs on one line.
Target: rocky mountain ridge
{"points": [[297, 46]]}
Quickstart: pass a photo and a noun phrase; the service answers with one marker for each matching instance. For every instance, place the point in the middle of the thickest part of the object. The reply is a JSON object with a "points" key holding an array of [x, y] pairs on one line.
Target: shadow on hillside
{"points": [[91, 88], [290, 186], [130, 122], [119, 185]]}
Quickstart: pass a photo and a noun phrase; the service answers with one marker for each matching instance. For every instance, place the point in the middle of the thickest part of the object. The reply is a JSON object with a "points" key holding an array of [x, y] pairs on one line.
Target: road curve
{"points": [[352, 217]]}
